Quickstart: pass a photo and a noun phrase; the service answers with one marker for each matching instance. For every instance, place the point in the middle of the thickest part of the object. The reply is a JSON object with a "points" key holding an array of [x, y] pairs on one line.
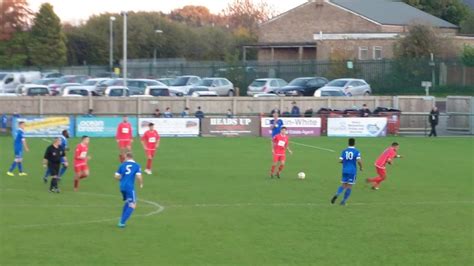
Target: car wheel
{"points": [[230, 94], [349, 94], [367, 93], [299, 94]]}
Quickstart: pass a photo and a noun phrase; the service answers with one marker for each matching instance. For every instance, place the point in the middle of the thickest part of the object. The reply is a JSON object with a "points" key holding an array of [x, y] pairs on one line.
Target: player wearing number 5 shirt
{"points": [[150, 142], [124, 138], [279, 147]]}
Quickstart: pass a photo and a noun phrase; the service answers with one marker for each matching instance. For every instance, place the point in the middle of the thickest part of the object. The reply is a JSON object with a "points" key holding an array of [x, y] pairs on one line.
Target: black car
{"points": [[302, 86]]}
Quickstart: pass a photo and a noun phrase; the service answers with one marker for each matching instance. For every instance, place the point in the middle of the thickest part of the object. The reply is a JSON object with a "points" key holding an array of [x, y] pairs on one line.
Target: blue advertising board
{"points": [[51, 126], [101, 126]]}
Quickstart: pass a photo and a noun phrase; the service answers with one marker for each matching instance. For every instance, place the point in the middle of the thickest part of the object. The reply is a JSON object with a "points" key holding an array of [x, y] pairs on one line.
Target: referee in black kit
{"points": [[52, 160]]}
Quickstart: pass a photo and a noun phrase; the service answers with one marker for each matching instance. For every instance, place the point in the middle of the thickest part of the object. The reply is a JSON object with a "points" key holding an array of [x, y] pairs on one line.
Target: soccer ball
{"points": [[301, 175]]}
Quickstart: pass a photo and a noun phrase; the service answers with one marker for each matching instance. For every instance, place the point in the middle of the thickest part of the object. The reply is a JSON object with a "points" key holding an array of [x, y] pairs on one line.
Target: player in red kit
{"points": [[151, 142], [124, 138], [279, 147], [386, 157], [81, 169]]}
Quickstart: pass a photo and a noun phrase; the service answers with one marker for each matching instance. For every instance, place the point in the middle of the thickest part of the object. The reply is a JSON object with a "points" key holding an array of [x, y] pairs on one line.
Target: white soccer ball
{"points": [[301, 175]]}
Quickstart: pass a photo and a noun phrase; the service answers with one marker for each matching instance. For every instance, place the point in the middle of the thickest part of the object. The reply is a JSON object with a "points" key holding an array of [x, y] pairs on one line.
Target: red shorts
{"points": [[381, 172], [81, 168], [279, 158], [124, 144], [150, 153]]}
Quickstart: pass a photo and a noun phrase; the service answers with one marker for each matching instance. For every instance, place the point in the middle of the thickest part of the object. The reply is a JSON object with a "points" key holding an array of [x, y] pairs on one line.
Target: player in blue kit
{"points": [[350, 157], [18, 145], [276, 124], [64, 164], [126, 174]]}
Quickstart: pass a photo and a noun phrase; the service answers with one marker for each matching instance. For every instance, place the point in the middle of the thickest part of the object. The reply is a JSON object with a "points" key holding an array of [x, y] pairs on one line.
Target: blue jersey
{"points": [[277, 126], [18, 143], [63, 144], [349, 159], [4, 121], [128, 171]]}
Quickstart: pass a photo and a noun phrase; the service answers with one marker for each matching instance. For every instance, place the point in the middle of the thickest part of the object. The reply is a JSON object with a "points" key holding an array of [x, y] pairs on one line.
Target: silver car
{"points": [[265, 85], [221, 86], [352, 87]]}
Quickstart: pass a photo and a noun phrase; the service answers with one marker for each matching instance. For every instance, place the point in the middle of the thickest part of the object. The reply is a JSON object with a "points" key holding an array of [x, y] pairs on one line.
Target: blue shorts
{"points": [[63, 160], [348, 178], [18, 153], [129, 196]]}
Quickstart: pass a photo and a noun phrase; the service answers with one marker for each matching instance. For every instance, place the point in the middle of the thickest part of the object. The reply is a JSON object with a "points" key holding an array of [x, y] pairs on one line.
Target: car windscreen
{"points": [[78, 92], [37, 91], [2, 76], [299, 82], [159, 92], [182, 81], [332, 93], [337, 83], [258, 83], [205, 82], [90, 82]]}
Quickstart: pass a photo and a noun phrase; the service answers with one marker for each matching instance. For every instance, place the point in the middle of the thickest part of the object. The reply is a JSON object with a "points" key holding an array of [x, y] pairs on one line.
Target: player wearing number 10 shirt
{"points": [[150, 142], [349, 158]]}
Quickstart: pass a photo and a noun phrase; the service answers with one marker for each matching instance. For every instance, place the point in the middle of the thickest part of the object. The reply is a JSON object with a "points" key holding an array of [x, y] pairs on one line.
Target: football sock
{"points": [[347, 194], [54, 183], [20, 167], [339, 190], [76, 184], [62, 171], [281, 168], [273, 169], [378, 180], [126, 214], [12, 167], [148, 164], [46, 174], [82, 176]]}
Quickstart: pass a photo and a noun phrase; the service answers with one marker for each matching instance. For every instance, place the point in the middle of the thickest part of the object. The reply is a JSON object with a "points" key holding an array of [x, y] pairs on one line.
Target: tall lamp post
{"points": [[154, 50], [111, 48], [124, 14]]}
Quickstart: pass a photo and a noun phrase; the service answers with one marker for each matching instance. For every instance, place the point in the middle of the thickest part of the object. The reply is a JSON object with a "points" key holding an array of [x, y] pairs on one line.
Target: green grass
{"points": [[221, 208]]}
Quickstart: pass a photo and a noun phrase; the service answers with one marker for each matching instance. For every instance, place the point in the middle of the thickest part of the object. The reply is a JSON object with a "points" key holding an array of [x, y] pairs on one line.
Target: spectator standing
{"points": [[365, 111], [295, 110], [199, 113], [433, 119], [90, 113], [185, 112], [229, 113], [157, 113], [168, 113], [275, 110]]}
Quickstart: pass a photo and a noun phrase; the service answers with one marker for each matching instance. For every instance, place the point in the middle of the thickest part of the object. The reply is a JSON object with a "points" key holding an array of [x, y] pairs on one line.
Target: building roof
{"points": [[391, 12]]}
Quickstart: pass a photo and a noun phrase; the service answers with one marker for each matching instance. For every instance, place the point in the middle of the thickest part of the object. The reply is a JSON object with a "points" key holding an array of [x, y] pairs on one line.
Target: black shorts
{"points": [[54, 169]]}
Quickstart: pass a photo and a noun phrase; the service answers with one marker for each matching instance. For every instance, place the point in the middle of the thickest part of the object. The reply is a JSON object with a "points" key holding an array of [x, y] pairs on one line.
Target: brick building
{"points": [[360, 29]]}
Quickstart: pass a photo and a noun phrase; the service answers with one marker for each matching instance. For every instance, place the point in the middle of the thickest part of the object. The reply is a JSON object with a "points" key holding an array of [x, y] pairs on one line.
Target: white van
{"points": [[9, 81]]}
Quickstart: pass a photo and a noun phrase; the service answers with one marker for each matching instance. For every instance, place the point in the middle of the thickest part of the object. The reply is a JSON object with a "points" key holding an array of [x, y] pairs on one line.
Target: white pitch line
{"points": [[159, 208], [311, 146], [46, 140]]}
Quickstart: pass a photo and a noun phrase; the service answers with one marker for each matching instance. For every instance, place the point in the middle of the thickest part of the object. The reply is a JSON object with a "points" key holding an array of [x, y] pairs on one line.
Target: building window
{"points": [[377, 53], [363, 53]]}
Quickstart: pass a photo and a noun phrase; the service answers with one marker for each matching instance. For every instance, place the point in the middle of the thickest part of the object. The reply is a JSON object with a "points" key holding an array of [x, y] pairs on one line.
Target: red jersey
{"points": [[280, 144], [151, 138], [387, 155], [80, 155], [124, 131]]}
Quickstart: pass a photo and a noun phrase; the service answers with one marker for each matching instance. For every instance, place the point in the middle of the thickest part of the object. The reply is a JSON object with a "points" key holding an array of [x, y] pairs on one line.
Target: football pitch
{"points": [[210, 201]]}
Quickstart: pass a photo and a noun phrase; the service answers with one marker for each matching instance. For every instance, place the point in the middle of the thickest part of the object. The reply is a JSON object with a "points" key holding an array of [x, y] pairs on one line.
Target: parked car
{"points": [[352, 87], [265, 95], [43, 81], [158, 91], [55, 86], [265, 85], [102, 87], [329, 92], [10, 80], [53, 74], [34, 90], [93, 84], [138, 86], [106, 75], [204, 94], [305, 86], [75, 91], [117, 91], [184, 83], [166, 81], [222, 86]]}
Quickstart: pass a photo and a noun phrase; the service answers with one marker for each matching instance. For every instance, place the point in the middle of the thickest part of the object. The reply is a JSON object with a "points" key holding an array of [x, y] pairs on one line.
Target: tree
{"points": [[193, 15], [14, 53], [48, 40], [247, 14], [14, 17], [420, 42], [467, 56], [453, 11], [467, 25]]}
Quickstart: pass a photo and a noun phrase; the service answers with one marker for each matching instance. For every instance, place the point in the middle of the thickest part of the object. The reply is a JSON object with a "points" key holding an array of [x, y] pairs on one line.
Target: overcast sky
{"points": [[75, 11]]}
